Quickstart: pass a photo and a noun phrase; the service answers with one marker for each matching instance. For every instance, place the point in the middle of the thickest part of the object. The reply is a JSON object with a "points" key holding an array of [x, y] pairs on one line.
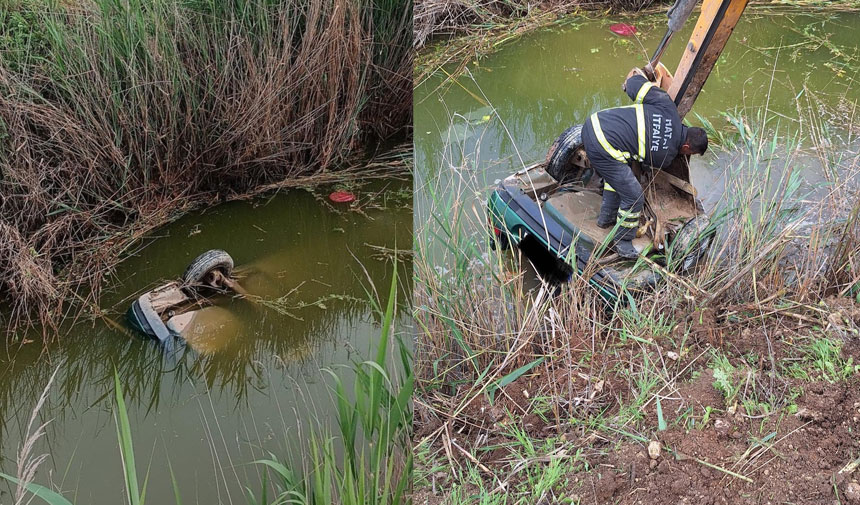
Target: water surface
{"points": [[506, 109], [798, 69], [249, 385]]}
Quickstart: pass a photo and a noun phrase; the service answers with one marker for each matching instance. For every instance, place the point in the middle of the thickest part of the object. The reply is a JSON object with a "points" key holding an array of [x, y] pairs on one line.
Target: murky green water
{"points": [[509, 107], [252, 387]]}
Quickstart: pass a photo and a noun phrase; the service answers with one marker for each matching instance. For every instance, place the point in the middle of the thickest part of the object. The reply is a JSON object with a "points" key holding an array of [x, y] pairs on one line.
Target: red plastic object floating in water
{"points": [[341, 197], [623, 29]]}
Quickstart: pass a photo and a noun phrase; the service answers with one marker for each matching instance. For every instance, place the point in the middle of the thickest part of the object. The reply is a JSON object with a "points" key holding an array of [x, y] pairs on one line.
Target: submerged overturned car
{"points": [[549, 210], [166, 311]]}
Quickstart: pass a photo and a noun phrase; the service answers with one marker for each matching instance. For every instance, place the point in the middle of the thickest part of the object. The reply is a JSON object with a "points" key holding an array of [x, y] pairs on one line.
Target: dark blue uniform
{"points": [[650, 131]]}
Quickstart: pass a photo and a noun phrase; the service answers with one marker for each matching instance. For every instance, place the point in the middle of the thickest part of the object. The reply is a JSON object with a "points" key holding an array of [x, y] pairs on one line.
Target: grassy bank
{"points": [[118, 116], [714, 387]]}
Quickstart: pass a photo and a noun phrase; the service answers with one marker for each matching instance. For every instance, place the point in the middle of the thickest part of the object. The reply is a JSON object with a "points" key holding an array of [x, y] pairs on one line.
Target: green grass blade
{"points": [[661, 422], [287, 475], [176, 496], [511, 377], [382, 351], [126, 447], [50, 497]]}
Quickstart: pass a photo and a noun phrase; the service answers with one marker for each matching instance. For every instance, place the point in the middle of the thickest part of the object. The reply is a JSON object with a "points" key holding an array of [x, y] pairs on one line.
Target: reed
{"points": [[118, 116], [373, 464]]}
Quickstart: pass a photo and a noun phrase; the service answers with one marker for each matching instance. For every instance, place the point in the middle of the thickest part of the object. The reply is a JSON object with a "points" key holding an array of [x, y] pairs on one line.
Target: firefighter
{"points": [[649, 131]]}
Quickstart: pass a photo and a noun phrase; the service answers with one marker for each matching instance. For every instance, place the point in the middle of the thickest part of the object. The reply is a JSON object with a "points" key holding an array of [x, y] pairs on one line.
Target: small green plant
{"points": [[822, 359], [724, 377], [707, 415], [650, 326]]}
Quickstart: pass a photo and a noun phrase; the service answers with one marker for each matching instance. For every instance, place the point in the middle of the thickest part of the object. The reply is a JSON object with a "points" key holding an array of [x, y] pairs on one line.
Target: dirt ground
{"points": [[800, 464], [801, 452]]}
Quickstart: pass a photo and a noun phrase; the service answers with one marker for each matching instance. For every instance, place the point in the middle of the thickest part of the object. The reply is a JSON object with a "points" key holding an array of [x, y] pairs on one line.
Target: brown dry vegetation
{"points": [[445, 18], [440, 18], [745, 373], [116, 117]]}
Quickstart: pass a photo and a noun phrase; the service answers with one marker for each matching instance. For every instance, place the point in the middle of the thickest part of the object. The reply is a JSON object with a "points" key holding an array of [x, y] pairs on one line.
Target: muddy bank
{"points": [[114, 120], [797, 458]]}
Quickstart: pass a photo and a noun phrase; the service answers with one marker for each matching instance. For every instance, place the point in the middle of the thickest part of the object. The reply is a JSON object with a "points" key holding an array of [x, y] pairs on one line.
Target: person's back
{"points": [[649, 131], [664, 132]]}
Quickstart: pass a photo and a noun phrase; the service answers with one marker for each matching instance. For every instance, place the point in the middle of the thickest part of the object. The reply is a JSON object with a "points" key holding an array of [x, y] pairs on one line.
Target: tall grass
{"points": [[116, 116], [374, 465], [779, 233]]}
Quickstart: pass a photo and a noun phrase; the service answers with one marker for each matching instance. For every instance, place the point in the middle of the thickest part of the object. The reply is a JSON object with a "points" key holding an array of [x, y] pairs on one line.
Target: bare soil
{"points": [[800, 464]]}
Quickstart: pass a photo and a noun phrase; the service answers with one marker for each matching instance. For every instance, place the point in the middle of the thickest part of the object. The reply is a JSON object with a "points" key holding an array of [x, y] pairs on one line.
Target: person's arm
{"points": [[633, 72], [641, 90]]}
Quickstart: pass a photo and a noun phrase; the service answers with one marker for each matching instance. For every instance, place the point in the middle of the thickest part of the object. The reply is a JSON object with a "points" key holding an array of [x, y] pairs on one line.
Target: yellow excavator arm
{"points": [[713, 29], [715, 25]]}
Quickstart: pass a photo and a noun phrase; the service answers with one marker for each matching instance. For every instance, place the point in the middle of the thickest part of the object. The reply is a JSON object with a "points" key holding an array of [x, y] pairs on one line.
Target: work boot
{"points": [[625, 249], [606, 222], [608, 209]]}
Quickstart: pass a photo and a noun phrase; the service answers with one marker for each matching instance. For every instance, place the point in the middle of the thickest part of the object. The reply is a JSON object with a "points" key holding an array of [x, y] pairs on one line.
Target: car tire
{"points": [[199, 269], [559, 158], [691, 242]]}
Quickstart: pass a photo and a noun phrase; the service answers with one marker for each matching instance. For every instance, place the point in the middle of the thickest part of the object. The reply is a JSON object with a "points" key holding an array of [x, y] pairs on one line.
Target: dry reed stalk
{"points": [[27, 464], [127, 118]]}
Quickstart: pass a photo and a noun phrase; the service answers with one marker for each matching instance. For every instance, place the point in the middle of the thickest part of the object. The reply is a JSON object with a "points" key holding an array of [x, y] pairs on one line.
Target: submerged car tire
{"points": [[691, 243], [559, 158], [203, 265]]}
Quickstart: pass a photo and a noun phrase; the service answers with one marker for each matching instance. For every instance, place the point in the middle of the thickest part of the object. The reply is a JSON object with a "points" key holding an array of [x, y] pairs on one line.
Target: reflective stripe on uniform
{"points": [[628, 219], [643, 91], [623, 156], [640, 127], [598, 132], [607, 187]]}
